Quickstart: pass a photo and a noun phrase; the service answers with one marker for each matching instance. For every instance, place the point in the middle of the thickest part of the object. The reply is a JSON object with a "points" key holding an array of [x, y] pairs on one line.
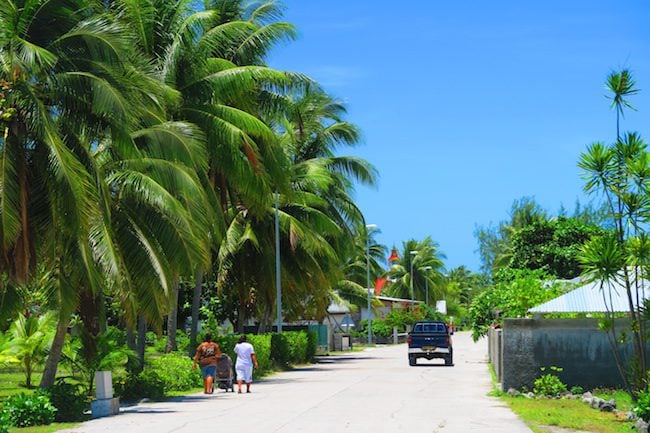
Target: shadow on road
{"points": [[337, 359]]}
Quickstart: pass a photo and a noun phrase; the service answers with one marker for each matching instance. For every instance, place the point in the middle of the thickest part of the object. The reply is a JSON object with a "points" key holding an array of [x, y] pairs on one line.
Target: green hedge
{"points": [[175, 369], [275, 350]]}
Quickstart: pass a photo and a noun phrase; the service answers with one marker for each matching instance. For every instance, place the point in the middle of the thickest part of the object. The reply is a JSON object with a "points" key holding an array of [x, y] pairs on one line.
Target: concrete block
{"points": [[105, 407], [104, 385]]}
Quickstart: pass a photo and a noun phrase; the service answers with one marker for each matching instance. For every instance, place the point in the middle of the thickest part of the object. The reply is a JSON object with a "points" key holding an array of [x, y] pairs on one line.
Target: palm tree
{"points": [[318, 218], [30, 340], [213, 57], [66, 76], [352, 287], [426, 253]]}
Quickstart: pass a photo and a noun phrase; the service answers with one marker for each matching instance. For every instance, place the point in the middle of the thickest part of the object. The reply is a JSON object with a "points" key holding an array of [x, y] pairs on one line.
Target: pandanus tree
{"points": [[620, 173]]}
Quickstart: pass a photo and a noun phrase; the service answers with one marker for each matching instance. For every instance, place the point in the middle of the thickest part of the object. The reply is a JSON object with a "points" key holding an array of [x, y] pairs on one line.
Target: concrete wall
{"points": [[495, 351], [576, 345]]}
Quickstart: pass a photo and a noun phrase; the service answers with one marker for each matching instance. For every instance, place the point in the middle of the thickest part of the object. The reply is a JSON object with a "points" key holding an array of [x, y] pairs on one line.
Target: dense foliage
{"points": [[175, 370], [25, 410], [551, 246], [70, 400], [512, 295]]}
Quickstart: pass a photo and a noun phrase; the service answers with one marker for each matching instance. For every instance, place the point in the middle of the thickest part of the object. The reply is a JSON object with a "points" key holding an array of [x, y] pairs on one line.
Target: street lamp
{"points": [[278, 285], [426, 281], [368, 228], [413, 253]]}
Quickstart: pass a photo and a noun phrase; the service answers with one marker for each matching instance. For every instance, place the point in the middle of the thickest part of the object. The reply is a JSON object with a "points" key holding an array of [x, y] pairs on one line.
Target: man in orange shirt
{"points": [[207, 354]]}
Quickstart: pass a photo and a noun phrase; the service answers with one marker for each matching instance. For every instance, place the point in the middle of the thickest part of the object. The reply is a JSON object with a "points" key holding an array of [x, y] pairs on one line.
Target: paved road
{"points": [[371, 391]]}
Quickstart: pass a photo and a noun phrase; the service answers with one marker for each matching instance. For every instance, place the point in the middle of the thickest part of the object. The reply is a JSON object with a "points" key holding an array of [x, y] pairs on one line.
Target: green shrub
{"points": [[146, 384], [642, 406], [4, 422], [70, 401], [381, 329], [175, 369], [150, 338], [549, 384], [262, 345], [280, 350], [24, 410], [312, 345], [577, 390], [297, 347], [182, 341]]}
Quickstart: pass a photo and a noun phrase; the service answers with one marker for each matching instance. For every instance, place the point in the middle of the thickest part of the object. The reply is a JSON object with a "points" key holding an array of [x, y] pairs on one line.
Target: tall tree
{"points": [[620, 172], [418, 256], [495, 241]]}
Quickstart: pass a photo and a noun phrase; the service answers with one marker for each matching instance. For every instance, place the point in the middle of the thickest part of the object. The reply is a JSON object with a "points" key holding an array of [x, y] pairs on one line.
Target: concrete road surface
{"points": [[372, 391]]}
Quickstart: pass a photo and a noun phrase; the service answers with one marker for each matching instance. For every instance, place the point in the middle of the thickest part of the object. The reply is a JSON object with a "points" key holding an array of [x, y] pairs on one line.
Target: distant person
{"points": [[246, 359], [207, 354]]}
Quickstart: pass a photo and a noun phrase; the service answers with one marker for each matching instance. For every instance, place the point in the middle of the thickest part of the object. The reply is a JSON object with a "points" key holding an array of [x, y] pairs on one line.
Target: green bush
{"points": [[549, 384], [577, 390], [70, 401], [182, 341], [642, 406], [297, 347], [24, 410], [150, 338], [280, 351], [4, 422], [262, 345], [175, 369], [146, 384], [312, 345]]}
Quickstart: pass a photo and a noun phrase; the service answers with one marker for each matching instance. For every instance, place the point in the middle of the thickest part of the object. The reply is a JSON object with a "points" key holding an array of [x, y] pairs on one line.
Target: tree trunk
{"points": [[142, 335], [130, 338], [53, 358], [196, 305], [171, 321], [241, 317], [265, 321]]}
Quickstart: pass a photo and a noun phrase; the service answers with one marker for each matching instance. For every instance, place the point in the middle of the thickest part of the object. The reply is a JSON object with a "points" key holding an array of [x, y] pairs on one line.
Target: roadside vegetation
{"points": [[607, 243]]}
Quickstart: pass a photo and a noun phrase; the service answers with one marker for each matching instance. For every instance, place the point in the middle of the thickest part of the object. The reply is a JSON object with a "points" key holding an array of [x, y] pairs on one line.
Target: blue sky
{"points": [[467, 106]]}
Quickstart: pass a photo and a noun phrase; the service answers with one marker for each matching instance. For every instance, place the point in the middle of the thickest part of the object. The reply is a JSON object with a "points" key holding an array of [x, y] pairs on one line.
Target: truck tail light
{"points": [[408, 340], [448, 341]]}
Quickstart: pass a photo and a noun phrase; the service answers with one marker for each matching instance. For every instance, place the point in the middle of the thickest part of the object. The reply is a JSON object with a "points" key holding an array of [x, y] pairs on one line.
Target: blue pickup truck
{"points": [[430, 339]]}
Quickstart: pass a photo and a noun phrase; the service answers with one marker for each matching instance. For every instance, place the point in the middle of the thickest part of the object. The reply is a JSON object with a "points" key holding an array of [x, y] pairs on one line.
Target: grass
{"points": [[571, 414], [539, 413], [12, 382], [44, 428]]}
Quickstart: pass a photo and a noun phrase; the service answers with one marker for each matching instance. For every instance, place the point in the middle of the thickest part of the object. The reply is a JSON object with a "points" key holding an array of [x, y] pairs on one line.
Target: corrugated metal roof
{"points": [[588, 298]]}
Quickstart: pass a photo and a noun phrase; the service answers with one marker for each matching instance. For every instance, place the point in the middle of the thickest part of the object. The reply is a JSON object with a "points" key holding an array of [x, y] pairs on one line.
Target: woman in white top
{"points": [[246, 359]]}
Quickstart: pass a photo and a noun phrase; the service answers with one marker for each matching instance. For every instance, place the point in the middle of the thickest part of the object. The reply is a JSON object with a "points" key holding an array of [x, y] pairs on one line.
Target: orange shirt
{"points": [[208, 353]]}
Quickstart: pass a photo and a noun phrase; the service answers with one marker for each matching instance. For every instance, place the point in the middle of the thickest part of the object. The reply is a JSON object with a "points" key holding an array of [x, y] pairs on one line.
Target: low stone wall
{"points": [[576, 345]]}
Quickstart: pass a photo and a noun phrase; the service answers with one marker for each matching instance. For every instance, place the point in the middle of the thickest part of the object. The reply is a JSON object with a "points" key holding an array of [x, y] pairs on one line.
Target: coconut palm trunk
{"points": [[171, 321], [142, 335], [196, 305], [53, 358]]}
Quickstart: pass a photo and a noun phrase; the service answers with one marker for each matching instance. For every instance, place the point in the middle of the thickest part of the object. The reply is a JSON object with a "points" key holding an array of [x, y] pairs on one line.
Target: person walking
{"points": [[246, 359], [207, 354]]}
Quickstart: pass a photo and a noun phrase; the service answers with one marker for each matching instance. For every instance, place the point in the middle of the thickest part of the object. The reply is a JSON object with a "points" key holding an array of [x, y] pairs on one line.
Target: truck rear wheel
{"points": [[411, 360]]}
